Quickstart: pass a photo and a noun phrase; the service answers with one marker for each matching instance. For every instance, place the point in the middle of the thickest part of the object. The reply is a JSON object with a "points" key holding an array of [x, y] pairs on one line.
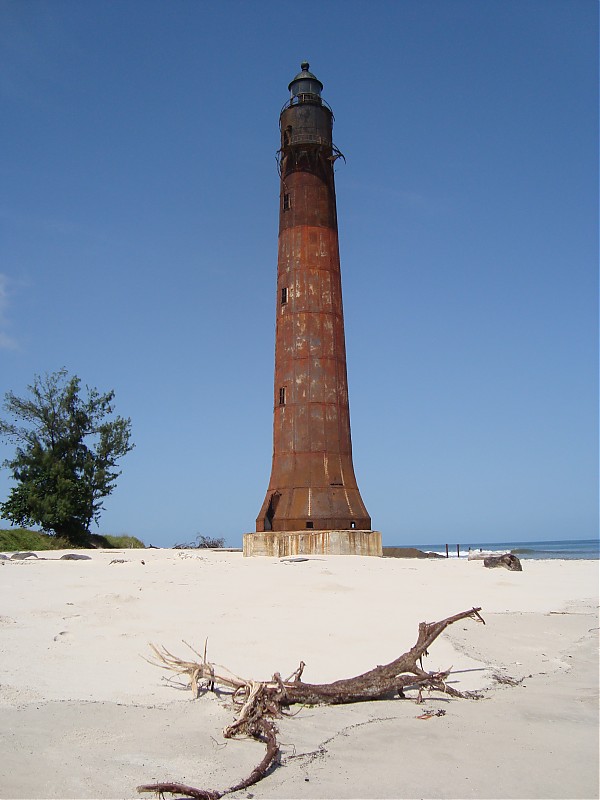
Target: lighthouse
{"points": [[312, 504]]}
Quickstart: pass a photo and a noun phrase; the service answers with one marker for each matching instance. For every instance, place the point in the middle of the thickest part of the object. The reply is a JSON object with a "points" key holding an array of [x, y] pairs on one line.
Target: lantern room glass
{"points": [[306, 86]]}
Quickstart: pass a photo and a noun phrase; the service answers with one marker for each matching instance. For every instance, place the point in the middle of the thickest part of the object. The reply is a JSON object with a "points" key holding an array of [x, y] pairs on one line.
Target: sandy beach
{"points": [[83, 715]]}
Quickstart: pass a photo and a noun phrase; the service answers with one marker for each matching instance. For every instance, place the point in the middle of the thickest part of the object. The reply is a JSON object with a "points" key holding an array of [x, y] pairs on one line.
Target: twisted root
{"points": [[259, 703]]}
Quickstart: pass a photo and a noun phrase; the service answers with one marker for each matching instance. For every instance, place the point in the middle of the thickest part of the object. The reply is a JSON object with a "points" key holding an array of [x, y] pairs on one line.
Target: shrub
{"points": [[201, 542]]}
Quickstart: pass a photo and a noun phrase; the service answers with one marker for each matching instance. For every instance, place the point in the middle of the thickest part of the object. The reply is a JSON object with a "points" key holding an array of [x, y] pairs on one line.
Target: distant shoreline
{"points": [[567, 549]]}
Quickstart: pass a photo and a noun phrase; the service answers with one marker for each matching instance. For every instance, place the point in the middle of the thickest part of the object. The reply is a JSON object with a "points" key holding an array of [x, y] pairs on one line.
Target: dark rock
{"points": [[508, 561], [75, 557], [408, 552], [21, 556]]}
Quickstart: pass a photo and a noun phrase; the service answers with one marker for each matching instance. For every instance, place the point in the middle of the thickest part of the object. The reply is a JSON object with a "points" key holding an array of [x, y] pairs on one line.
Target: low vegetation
{"points": [[25, 539], [121, 542], [206, 542]]}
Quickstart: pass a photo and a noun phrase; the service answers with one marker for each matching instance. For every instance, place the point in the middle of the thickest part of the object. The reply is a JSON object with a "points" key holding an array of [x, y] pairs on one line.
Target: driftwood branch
{"points": [[259, 703]]}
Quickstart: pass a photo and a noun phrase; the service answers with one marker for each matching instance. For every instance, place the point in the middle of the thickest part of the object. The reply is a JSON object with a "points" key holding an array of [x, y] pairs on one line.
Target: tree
{"points": [[67, 449]]}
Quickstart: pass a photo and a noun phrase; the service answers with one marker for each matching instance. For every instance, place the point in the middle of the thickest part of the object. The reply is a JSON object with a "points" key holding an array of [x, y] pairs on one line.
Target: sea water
{"points": [[569, 548]]}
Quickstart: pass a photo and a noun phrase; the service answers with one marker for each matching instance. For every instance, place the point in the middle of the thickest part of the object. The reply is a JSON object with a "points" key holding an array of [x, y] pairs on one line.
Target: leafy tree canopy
{"points": [[67, 449]]}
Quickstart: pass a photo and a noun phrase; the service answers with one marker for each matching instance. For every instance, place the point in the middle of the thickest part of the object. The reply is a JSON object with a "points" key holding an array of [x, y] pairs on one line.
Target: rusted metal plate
{"points": [[312, 484]]}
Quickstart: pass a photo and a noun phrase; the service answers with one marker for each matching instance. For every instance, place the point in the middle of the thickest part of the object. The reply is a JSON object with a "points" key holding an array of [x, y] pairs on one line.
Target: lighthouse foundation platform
{"points": [[280, 544]]}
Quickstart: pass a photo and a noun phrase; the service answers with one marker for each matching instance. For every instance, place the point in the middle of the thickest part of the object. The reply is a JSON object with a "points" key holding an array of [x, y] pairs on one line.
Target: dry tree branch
{"points": [[261, 702]]}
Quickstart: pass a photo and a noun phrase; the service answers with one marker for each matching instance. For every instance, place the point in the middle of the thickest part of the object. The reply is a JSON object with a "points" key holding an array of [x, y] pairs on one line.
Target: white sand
{"points": [[83, 715]]}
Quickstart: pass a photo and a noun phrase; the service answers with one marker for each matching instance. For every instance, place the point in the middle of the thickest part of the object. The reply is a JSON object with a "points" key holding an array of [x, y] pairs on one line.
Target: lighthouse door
{"points": [[273, 501]]}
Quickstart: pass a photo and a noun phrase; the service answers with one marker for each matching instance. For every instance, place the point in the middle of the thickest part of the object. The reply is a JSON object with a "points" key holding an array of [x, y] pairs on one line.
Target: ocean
{"points": [[588, 549]]}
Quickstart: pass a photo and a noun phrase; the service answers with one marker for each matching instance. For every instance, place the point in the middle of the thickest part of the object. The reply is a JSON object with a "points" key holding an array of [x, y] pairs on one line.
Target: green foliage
{"points": [[67, 449], [23, 539], [123, 542]]}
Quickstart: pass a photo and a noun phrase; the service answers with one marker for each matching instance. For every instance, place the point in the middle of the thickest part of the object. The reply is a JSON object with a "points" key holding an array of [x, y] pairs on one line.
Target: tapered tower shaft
{"points": [[312, 484]]}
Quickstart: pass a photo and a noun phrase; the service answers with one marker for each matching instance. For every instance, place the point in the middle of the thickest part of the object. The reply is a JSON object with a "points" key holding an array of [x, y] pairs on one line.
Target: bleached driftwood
{"points": [[259, 703]]}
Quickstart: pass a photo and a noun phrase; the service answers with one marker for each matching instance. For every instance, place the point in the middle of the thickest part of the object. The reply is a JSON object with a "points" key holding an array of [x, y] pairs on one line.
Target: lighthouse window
{"points": [[286, 202], [282, 396], [310, 524], [284, 295]]}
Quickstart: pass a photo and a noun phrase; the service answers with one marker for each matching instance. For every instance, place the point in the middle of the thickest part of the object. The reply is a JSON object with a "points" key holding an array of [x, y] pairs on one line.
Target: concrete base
{"points": [[326, 543]]}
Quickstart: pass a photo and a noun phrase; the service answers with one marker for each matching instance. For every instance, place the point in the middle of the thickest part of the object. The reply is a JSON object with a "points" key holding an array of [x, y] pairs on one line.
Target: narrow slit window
{"points": [[286, 202], [284, 295], [353, 524], [310, 524], [282, 396]]}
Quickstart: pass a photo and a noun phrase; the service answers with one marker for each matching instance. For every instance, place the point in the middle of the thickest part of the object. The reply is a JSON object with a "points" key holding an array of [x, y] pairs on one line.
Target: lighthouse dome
{"points": [[305, 82]]}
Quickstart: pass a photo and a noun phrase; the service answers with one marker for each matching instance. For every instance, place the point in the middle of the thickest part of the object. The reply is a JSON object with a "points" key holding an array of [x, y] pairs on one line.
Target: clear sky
{"points": [[138, 248]]}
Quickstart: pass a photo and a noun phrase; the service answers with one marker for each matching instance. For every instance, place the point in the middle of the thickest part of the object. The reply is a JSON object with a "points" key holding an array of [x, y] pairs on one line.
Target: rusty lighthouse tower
{"points": [[312, 504]]}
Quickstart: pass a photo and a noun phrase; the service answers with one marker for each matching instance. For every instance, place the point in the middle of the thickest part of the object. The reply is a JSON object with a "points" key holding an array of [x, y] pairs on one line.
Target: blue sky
{"points": [[138, 246]]}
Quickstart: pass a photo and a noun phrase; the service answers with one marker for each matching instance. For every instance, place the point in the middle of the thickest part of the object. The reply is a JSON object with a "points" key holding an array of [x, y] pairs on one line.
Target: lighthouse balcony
{"points": [[307, 138]]}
